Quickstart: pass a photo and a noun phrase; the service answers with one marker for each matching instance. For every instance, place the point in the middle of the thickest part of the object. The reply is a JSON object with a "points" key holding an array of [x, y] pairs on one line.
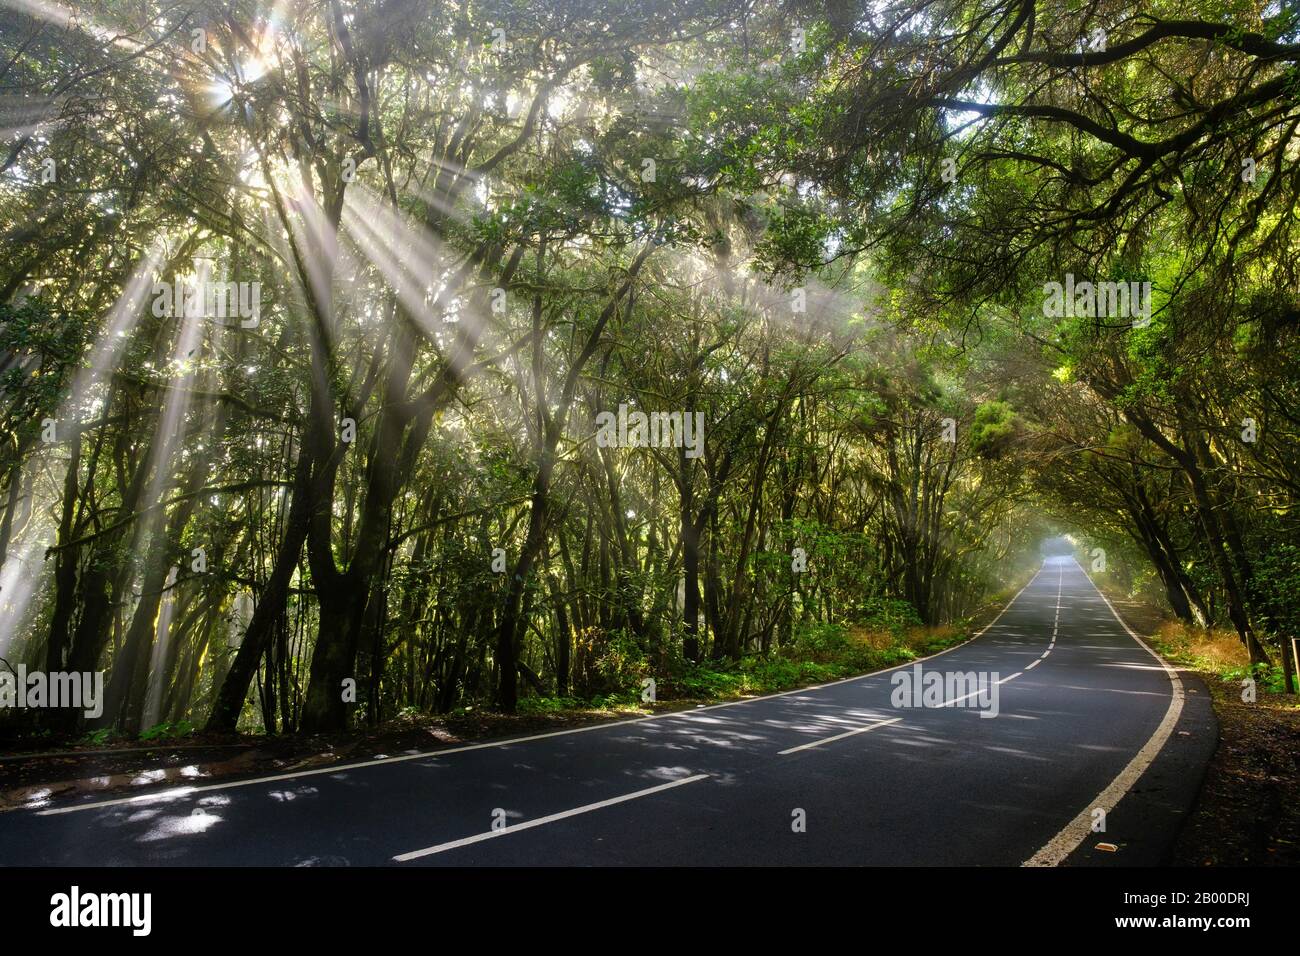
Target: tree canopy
{"points": [[310, 313]]}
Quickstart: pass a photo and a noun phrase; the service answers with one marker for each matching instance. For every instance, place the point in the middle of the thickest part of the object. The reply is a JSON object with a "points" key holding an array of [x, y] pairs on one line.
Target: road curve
{"points": [[1087, 719]]}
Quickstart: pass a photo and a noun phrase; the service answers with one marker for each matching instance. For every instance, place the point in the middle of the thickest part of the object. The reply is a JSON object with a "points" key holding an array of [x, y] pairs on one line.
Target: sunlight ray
{"points": [[68, 18], [22, 578]]}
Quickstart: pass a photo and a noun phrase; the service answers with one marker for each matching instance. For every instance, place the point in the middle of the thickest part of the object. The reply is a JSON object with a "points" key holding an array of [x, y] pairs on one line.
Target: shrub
{"points": [[617, 664], [892, 614], [168, 730]]}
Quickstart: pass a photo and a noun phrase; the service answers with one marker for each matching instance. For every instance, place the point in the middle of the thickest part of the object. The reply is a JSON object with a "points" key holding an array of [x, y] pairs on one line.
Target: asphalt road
{"points": [[1087, 719]]}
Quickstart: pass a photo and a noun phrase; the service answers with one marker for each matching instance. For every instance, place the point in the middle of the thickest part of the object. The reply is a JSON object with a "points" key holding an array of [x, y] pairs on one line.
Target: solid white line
{"points": [[1077, 830], [540, 821], [827, 740], [179, 792]]}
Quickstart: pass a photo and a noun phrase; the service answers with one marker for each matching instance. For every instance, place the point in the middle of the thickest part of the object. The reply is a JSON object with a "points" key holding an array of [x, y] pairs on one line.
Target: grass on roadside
{"points": [[821, 653], [818, 654], [1216, 653]]}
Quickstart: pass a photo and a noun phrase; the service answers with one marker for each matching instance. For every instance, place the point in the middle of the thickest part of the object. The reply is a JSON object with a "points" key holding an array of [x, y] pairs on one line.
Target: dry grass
{"points": [[1212, 650], [919, 638], [915, 638], [873, 638]]}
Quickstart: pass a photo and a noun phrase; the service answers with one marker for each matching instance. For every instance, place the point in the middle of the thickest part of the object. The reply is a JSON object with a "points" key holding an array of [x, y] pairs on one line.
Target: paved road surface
{"points": [[1087, 718]]}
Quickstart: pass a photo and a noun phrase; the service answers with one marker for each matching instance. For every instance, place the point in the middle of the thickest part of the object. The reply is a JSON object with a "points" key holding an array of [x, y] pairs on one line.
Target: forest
{"points": [[366, 358]]}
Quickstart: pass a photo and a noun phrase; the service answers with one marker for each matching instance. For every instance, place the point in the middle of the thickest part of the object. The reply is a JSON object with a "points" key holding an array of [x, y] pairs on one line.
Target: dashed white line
{"points": [[542, 821], [827, 740]]}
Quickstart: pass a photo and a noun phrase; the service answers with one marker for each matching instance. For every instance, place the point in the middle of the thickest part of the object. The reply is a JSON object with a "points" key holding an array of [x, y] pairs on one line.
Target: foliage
{"points": [[168, 730], [469, 245]]}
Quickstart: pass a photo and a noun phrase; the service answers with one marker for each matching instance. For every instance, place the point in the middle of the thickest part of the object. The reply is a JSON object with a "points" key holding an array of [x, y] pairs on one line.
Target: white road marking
{"points": [[827, 740], [1077, 830], [1056, 623], [541, 821], [958, 700], [1050, 644], [179, 792]]}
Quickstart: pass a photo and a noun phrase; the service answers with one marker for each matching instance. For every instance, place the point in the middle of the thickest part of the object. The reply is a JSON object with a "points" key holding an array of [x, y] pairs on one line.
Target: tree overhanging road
{"points": [[1087, 718]]}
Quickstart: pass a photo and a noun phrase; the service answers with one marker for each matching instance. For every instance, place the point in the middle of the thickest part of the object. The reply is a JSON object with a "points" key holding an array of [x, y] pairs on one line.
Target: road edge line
{"points": [[177, 793], [1072, 835]]}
